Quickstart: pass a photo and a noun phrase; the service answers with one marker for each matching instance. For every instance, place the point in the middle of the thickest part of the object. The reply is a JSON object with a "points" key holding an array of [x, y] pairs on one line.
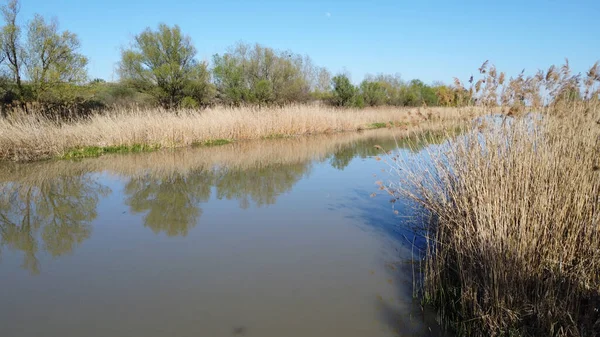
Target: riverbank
{"points": [[31, 137], [514, 243]]}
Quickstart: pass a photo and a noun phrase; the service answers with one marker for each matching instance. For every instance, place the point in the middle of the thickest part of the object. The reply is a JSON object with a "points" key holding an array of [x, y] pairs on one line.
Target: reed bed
{"points": [[238, 156], [26, 137], [513, 241]]}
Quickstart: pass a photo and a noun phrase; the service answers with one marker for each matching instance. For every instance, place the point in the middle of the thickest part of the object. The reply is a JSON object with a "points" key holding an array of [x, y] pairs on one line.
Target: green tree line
{"points": [[43, 71]]}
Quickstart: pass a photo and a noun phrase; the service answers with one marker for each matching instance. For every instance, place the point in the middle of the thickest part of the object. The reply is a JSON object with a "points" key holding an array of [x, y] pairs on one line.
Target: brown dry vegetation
{"points": [[514, 238], [27, 137], [242, 155]]}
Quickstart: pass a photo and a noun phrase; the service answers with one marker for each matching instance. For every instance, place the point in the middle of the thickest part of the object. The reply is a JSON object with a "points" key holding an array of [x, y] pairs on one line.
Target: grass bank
{"points": [[31, 137], [514, 237]]}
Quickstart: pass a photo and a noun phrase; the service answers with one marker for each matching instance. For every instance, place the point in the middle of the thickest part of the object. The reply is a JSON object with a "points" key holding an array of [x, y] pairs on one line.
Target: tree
{"points": [[45, 58], [10, 42], [163, 64], [229, 78], [422, 93], [373, 93], [51, 57], [198, 87], [258, 74], [343, 90], [323, 84], [390, 86]]}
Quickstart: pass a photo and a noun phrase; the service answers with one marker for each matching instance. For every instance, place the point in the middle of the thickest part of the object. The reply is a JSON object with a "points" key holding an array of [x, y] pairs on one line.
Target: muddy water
{"points": [[269, 238]]}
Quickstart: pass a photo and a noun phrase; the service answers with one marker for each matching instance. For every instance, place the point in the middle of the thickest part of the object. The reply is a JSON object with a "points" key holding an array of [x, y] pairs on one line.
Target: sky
{"points": [[429, 40]]}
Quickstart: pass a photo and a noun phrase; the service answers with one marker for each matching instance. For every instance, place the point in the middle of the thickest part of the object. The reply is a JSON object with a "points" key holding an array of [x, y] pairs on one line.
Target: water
{"points": [[267, 238]]}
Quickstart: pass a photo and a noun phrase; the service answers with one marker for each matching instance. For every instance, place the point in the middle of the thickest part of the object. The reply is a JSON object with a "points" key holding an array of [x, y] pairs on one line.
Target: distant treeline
{"points": [[42, 71]]}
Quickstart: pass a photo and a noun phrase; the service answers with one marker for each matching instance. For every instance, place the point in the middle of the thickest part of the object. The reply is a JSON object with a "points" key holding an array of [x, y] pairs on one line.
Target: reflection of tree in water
{"points": [[260, 184], [56, 212], [171, 202], [366, 148]]}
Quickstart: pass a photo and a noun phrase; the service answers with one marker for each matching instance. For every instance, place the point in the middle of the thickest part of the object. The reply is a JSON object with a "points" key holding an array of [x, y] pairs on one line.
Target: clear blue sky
{"points": [[430, 40]]}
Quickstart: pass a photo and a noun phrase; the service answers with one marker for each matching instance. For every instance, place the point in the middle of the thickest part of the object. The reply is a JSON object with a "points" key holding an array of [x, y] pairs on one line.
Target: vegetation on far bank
{"points": [[513, 241], [44, 72]]}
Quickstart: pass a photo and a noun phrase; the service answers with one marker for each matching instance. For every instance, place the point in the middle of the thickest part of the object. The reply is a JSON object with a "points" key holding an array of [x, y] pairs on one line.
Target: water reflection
{"points": [[260, 185], [48, 207], [363, 149], [170, 202], [52, 215]]}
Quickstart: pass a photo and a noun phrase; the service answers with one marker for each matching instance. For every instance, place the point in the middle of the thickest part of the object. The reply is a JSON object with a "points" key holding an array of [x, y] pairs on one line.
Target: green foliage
{"points": [[213, 142], [358, 101], [198, 86], [12, 52], [228, 75], [421, 94], [162, 63], [96, 151], [373, 93], [344, 91], [322, 96], [118, 94], [386, 90], [51, 57], [263, 92], [378, 125], [257, 74], [277, 136], [66, 100], [42, 69], [189, 103]]}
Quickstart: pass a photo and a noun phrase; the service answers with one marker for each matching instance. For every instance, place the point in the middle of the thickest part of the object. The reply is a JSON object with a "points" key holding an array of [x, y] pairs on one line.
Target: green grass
{"points": [[96, 151], [276, 136], [213, 142], [390, 124], [378, 125]]}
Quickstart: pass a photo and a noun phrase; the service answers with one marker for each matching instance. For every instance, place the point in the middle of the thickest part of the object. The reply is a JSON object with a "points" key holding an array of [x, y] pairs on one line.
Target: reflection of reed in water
{"points": [[235, 156], [50, 205]]}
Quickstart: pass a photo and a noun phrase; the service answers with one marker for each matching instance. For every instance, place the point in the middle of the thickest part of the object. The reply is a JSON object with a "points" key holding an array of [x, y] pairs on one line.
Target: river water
{"points": [[269, 238]]}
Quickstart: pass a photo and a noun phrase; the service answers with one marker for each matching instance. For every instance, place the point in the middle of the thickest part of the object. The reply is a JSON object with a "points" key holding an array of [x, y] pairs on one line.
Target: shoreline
{"points": [[29, 138]]}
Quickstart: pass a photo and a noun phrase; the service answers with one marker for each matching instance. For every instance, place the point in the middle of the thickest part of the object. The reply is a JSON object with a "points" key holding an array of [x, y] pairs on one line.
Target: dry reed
{"points": [[30, 137], [244, 155], [514, 239]]}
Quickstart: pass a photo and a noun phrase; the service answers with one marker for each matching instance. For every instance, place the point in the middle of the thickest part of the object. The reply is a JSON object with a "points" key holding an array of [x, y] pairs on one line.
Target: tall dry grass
{"points": [[25, 137], [514, 238], [238, 156]]}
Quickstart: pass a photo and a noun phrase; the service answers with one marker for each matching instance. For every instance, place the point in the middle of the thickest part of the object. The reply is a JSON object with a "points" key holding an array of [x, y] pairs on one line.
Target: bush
{"points": [[373, 93], [343, 91], [258, 74], [189, 103]]}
